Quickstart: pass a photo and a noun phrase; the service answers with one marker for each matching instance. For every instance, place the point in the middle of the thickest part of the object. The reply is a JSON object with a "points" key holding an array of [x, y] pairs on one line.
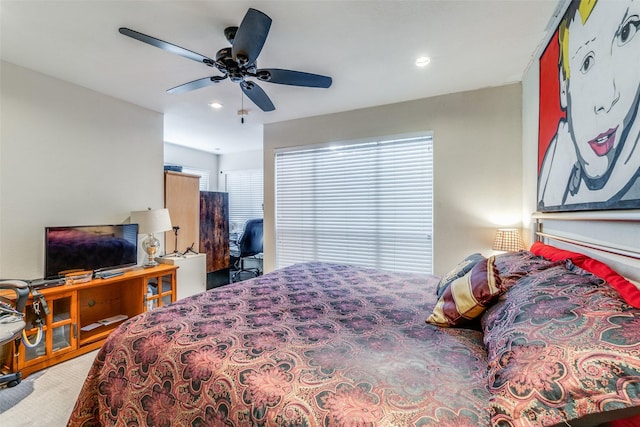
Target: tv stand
{"points": [[81, 316]]}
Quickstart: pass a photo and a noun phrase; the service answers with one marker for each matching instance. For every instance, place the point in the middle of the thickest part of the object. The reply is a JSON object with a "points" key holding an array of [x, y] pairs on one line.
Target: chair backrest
{"points": [[11, 329], [250, 242], [21, 288]]}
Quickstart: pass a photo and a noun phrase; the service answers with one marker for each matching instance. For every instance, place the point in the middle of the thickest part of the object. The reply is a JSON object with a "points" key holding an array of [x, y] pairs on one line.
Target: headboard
{"points": [[612, 237]]}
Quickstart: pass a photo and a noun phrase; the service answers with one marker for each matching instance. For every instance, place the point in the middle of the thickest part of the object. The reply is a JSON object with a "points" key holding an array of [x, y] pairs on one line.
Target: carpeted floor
{"points": [[45, 398]]}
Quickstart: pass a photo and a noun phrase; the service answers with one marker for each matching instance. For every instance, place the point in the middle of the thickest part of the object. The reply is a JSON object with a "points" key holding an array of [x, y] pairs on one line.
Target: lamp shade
{"points": [[151, 220], [508, 239]]}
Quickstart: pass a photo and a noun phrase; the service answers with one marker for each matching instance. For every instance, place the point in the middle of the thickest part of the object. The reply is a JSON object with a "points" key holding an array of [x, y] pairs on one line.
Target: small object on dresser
{"points": [[109, 274], [90, 327], [77, 277], [113, 319], [46, 283], [104, 322]]}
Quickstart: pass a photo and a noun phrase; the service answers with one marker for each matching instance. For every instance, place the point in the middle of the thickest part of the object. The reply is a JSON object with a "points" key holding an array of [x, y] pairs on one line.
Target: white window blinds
{"points": [[245, 195], [368, 204]]}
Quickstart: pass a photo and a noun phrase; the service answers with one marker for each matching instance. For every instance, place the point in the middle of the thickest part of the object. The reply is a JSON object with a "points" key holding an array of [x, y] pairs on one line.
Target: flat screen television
{"points": [[89, 247]]}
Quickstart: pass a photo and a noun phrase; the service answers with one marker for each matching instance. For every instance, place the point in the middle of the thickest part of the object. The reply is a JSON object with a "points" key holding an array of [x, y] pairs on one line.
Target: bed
{"points": [[544, 341]]}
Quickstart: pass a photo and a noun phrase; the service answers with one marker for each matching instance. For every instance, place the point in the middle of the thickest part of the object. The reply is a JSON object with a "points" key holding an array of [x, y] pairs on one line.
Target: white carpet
{"points": [[45, 398]]}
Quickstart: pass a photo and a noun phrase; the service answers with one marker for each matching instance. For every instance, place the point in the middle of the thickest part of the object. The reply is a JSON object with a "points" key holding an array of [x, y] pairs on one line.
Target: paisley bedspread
{"points": [[309, 345]]}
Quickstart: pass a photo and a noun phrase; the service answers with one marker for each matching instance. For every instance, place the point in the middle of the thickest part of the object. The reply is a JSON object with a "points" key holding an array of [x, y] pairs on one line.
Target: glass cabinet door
{"points": [[160, 290], [36, 345], [58, 333]]}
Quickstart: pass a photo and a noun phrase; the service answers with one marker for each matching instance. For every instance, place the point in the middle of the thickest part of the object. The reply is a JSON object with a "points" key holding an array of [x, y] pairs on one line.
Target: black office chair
{"points": [[12, 323], [249, 245]]}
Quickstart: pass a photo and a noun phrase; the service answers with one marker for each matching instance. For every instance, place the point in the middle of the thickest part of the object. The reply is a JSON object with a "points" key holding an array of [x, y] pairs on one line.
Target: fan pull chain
{"points": [[242, 107]]}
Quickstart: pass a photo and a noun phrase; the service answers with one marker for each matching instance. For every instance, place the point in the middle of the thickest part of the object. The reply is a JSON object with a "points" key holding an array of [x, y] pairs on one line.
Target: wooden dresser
{"points": [[81, 316], [182, 198]]}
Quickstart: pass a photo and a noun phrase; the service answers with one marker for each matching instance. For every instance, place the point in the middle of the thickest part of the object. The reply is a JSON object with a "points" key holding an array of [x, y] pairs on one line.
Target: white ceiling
{"points": [[367, 47]]}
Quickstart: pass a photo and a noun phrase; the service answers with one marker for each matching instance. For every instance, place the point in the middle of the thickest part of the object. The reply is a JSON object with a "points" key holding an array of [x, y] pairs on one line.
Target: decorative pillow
{"points": [[460, 270], [629, 292], [561, 346], [467, 297]]}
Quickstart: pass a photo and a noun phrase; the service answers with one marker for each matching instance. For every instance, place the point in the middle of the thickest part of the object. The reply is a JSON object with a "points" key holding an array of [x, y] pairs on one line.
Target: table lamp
{"points": [[149, 222], [508, 240]]}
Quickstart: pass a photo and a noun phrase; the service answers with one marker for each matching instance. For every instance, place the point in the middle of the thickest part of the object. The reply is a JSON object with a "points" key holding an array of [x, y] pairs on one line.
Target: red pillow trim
{"points": [[627, 422], [552, 253], [629, 292]]}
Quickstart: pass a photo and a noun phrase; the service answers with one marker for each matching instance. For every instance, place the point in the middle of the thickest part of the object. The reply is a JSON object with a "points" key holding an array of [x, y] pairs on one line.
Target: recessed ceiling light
{"points": [[215, 105], [423, 61]]}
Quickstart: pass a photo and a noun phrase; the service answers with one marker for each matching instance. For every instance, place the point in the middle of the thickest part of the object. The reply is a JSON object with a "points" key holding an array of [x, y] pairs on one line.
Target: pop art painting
{"points": [[589, 129]]}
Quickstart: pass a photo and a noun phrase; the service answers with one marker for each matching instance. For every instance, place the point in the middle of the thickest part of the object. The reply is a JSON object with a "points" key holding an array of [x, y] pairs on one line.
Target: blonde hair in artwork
{"points": [[584, 8]]}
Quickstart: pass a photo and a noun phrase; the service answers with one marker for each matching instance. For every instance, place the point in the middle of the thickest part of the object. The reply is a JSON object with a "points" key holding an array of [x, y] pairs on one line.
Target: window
{"points": [[245, 196], [367, 204]]}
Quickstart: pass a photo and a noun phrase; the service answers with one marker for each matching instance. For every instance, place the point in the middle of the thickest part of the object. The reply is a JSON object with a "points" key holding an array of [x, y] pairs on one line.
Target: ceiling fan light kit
{"points": [[238, 62]]}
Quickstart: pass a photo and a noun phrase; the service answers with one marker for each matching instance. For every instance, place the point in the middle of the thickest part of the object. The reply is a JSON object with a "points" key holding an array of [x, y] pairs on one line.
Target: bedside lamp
{"points": [[149, 222], [508, 240]]}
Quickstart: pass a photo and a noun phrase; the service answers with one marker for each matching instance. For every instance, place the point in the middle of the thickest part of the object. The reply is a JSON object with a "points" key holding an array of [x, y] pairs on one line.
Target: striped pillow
{"points": [[460, 270], [468, 296]]}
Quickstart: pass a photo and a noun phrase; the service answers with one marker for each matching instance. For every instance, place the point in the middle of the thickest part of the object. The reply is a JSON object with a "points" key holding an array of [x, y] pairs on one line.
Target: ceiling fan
{"points": [[239, 61]]}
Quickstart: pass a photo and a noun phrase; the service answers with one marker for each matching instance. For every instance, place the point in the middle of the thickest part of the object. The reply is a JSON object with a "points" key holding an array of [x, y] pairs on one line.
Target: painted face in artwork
{"points": [[603, 88]]}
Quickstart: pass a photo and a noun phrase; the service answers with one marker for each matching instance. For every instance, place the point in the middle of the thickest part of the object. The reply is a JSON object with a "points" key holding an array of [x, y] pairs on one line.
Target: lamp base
{"points": [[150, 246]]}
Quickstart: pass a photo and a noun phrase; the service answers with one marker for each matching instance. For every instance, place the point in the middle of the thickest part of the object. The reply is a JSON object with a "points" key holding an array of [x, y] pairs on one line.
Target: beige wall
{"points": [[69, 156], [93, 159], [477, 161], [246, 160], [530, 99]]}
